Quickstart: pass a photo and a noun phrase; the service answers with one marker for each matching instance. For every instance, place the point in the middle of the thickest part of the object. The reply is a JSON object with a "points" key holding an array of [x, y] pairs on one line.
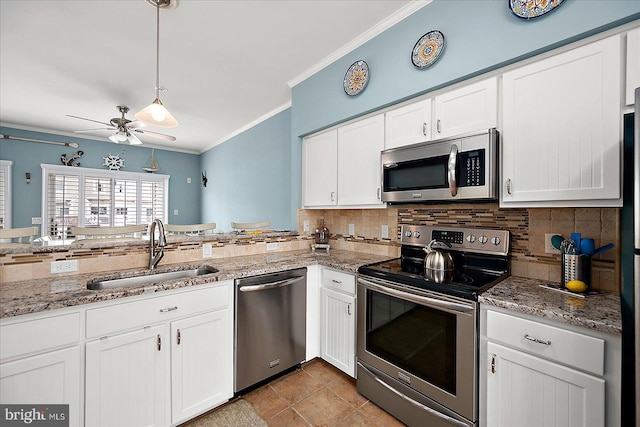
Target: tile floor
{"points": [[317, 395]]}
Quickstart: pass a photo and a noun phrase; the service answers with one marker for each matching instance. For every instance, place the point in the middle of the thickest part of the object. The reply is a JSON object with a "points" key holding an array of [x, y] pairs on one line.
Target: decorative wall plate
{"points": [[527, 9], [356, 78], [427, 49]]}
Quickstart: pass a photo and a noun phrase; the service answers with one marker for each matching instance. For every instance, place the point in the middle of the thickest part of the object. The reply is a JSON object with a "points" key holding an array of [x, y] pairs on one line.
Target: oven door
{"points": [[424, 340]]}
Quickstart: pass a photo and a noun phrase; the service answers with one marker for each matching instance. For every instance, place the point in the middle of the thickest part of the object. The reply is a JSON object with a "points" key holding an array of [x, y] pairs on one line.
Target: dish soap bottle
{"points": [[322, 233]]}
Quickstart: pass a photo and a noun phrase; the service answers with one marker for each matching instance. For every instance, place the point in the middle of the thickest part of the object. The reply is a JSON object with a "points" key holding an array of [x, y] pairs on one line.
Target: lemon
{"points": [[576, 286]]}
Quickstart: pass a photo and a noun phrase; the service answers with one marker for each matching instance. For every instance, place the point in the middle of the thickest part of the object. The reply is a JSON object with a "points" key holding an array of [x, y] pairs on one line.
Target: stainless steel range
{"points": [[418, 331]]}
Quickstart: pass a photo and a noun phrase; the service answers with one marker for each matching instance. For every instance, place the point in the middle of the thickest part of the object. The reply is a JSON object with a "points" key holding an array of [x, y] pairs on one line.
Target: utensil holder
{"points": [[576, 267]]}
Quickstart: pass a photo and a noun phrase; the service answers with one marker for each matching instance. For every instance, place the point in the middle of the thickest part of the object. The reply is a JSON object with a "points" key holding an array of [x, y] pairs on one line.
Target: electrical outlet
{"points": [[175, 212], [352, 230], [548, 247], [188, 180], [384, 231], [64, 266], [207, 250], [305, 225], [272, 246], [36, 220]]}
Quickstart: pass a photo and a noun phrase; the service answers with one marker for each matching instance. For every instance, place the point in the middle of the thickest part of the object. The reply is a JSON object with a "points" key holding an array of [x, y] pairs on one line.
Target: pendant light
{"points": [[156, 114]]}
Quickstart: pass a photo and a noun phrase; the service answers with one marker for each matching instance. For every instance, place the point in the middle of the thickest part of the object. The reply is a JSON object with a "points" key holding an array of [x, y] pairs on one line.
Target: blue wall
{"points": [[249, 176], [480, 36], [27, 157]]}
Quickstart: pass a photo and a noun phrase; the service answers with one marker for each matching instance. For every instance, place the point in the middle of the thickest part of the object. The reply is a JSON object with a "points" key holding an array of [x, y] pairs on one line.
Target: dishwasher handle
{"points": [[270, 285]]}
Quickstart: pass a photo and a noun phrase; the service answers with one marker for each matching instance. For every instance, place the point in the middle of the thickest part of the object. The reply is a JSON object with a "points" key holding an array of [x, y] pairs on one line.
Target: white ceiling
{"points": [[226, 64]]}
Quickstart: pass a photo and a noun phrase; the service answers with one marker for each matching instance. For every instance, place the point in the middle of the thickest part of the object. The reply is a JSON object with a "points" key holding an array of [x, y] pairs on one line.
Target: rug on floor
{"points": [[238, 413]]}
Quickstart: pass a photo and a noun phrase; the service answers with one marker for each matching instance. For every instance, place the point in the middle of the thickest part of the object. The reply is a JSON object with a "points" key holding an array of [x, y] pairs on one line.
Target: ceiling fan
{"points": [[125, 128]]}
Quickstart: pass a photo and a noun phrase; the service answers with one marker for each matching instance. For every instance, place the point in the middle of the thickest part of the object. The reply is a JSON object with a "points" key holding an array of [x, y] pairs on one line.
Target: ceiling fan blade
{"points": [[90, 120], [136, 124], [92, 130], [155, 134]]}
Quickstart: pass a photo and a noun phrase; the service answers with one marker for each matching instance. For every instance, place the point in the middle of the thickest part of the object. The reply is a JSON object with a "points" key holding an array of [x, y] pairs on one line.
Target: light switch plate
{"points": [[305, 225], [352, 229], [207, 250], [175, 211], [36, 220], [384, 231], [64, 266]]}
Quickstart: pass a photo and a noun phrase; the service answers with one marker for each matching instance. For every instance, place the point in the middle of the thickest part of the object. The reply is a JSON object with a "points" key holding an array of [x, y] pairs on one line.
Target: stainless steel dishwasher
{"points": [[270, 327]]}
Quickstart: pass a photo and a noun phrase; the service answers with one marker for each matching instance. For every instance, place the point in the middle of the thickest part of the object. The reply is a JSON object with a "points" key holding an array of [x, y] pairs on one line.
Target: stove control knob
{"points": [[471, 238], [407, 233], [483, 239], [495, 240], [416, 234]]}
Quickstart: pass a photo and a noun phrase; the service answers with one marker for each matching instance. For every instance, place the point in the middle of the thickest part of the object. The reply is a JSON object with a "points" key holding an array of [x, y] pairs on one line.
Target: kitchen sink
{"points": [[148, 277]]}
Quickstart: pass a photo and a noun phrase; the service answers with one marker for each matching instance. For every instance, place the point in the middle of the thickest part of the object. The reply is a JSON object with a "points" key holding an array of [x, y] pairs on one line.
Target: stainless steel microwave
{"points": [[453, 169]]}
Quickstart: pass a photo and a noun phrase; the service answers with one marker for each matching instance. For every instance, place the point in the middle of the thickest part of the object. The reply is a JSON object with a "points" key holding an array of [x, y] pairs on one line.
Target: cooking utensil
{"points": [[603, 249], [556, 241], [568, 246], [576, 237], [587, 246]]}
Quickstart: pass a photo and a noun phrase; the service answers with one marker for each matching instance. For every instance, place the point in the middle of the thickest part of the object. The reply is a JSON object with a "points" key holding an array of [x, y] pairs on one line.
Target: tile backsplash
{"points": [[527, 228]]}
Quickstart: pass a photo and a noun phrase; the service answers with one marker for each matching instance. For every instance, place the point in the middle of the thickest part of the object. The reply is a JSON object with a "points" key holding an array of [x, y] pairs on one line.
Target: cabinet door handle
{"points": [[378, 193], [333, 196], [159, 343], [438, 126], [349, 309], [508, 185], [167, 309], [536, 340], [179, 337], [336, 281], [493, 363], [424, 129]]}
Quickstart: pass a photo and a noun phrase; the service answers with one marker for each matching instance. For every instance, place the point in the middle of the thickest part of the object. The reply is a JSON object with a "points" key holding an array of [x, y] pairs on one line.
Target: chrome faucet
{"points": [[156, 252]]}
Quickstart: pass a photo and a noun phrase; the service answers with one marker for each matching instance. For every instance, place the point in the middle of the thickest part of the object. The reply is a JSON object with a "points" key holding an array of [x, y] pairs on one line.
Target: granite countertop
{"points": [[32, 296], [598, 312]]}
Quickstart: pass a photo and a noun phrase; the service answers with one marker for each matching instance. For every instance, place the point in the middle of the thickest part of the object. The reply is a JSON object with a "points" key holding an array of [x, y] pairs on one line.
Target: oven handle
{"points": [[453, 161], [411, 401], [447, 305]]}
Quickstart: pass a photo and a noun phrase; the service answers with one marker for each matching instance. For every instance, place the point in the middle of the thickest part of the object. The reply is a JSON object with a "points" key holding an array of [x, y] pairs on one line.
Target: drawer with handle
{"points": [[119, 317], [338, 280], [561, 345]]}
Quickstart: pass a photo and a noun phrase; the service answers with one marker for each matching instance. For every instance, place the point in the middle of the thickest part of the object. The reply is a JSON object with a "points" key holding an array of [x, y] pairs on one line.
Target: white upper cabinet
{"points": [[633, 65], [561, 129], [408, 125], [359, 147], [467, 109], [320, 169]]}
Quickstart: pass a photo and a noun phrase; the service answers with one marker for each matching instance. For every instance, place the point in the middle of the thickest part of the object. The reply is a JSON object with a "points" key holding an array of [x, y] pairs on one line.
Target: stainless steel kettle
{"points": [[438, 265]]}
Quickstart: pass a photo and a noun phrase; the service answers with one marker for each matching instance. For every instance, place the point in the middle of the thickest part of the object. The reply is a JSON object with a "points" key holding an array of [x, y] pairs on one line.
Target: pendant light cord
{"points": [[157, 49]]}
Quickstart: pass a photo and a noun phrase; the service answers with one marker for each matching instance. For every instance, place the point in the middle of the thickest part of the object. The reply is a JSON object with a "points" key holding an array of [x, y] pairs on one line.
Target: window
{"points": [[92, 197], [5, 193]]}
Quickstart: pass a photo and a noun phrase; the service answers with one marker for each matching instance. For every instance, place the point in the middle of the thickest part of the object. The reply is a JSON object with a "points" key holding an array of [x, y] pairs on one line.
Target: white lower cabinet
{"points": [[49, 378], [338, 320], [127, 380], [165, 372], [40, 361], [201, 363], [524, 390], [537, 372]]}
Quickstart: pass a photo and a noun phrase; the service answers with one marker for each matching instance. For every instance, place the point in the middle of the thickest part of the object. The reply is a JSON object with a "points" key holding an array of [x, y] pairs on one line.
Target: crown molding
{"points": [[380, 27], [248, 125]]}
